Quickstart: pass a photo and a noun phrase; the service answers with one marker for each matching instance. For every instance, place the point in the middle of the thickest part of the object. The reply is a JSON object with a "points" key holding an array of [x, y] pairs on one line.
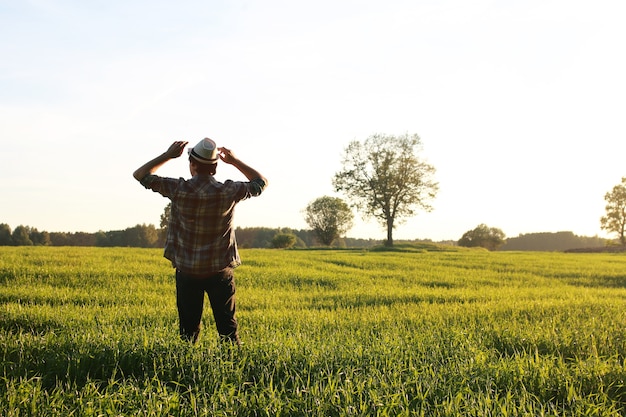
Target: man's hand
{"points": [[176, 149], [226, 155]]}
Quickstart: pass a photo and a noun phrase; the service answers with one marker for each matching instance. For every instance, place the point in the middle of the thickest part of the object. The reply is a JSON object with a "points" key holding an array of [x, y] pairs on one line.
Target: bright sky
{"points": [[520, 105]]}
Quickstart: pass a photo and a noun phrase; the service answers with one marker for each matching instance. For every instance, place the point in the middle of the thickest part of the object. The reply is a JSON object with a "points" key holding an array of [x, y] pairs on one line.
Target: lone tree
{"points": [[329, 217], [483, 236], [615, 219], [383, 178]]}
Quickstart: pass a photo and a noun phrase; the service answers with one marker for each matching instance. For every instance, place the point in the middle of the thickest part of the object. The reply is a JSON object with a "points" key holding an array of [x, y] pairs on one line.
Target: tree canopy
{"points": [[383, 178], [284, 240], [615, 219], [483, 236], [329, 217], [21, 236], [5, 235]]}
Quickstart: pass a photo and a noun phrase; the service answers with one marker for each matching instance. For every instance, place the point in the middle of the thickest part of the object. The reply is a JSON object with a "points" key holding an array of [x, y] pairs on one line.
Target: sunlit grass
{"points": [[415, 331]]}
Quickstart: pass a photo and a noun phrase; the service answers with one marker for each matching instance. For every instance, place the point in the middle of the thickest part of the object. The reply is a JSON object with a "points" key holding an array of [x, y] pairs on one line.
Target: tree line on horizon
{"points": [[141, 235], [493, 239], [557, 241], [148, 236]]}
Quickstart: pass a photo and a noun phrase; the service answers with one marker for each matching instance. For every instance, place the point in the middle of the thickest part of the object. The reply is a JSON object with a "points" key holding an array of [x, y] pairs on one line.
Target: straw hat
{"points": [[204, 152]]}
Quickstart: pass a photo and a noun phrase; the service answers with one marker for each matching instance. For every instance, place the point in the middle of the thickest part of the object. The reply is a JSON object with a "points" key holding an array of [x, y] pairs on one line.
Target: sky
{"points": [[520, 106]]}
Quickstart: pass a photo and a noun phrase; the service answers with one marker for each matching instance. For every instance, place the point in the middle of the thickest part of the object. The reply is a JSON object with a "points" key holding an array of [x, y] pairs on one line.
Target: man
{"points": [[200, 239]]}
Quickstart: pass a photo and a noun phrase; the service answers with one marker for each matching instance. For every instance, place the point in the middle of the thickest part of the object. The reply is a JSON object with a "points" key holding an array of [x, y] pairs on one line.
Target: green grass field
{"points": [[428, 331]]}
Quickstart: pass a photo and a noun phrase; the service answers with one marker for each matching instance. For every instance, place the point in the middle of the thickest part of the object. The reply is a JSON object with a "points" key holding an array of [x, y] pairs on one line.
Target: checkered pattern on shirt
{"points": [[200, 238]]}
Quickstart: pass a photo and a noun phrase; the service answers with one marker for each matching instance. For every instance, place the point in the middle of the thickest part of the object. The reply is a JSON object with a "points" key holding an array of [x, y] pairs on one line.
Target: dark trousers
{"points": [[220, 288]]}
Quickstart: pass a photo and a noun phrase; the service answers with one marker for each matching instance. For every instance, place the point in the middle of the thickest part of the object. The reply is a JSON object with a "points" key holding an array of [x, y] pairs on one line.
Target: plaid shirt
{"points": [[200, 236]]}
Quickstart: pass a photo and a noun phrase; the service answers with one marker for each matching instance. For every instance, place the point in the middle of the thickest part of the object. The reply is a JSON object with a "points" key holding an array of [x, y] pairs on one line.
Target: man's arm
{"points": [[174, 151], [229, 157]]}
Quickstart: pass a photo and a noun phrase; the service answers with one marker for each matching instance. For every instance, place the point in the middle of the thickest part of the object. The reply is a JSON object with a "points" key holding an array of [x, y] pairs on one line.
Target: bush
{"points": [[283, 241]]}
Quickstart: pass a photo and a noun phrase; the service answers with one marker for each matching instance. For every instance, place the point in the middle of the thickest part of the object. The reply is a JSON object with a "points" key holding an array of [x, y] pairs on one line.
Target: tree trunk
{"points": [[389, 242]]}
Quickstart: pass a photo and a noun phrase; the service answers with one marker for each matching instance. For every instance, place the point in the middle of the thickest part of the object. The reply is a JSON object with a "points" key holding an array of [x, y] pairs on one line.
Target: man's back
{"points": [[201, 235]]}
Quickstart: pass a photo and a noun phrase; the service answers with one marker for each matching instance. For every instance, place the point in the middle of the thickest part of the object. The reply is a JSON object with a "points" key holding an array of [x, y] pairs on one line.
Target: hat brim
{"points": [[200, 159]]}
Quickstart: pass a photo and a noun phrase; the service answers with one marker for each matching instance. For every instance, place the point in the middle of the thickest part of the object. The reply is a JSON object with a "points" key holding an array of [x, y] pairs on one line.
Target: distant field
{"points": [[428, 331]]}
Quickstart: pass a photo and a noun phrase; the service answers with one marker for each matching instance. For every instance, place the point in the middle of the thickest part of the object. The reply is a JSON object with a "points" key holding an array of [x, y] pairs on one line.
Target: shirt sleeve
{"points": [[164, 186], [257, 186]]}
